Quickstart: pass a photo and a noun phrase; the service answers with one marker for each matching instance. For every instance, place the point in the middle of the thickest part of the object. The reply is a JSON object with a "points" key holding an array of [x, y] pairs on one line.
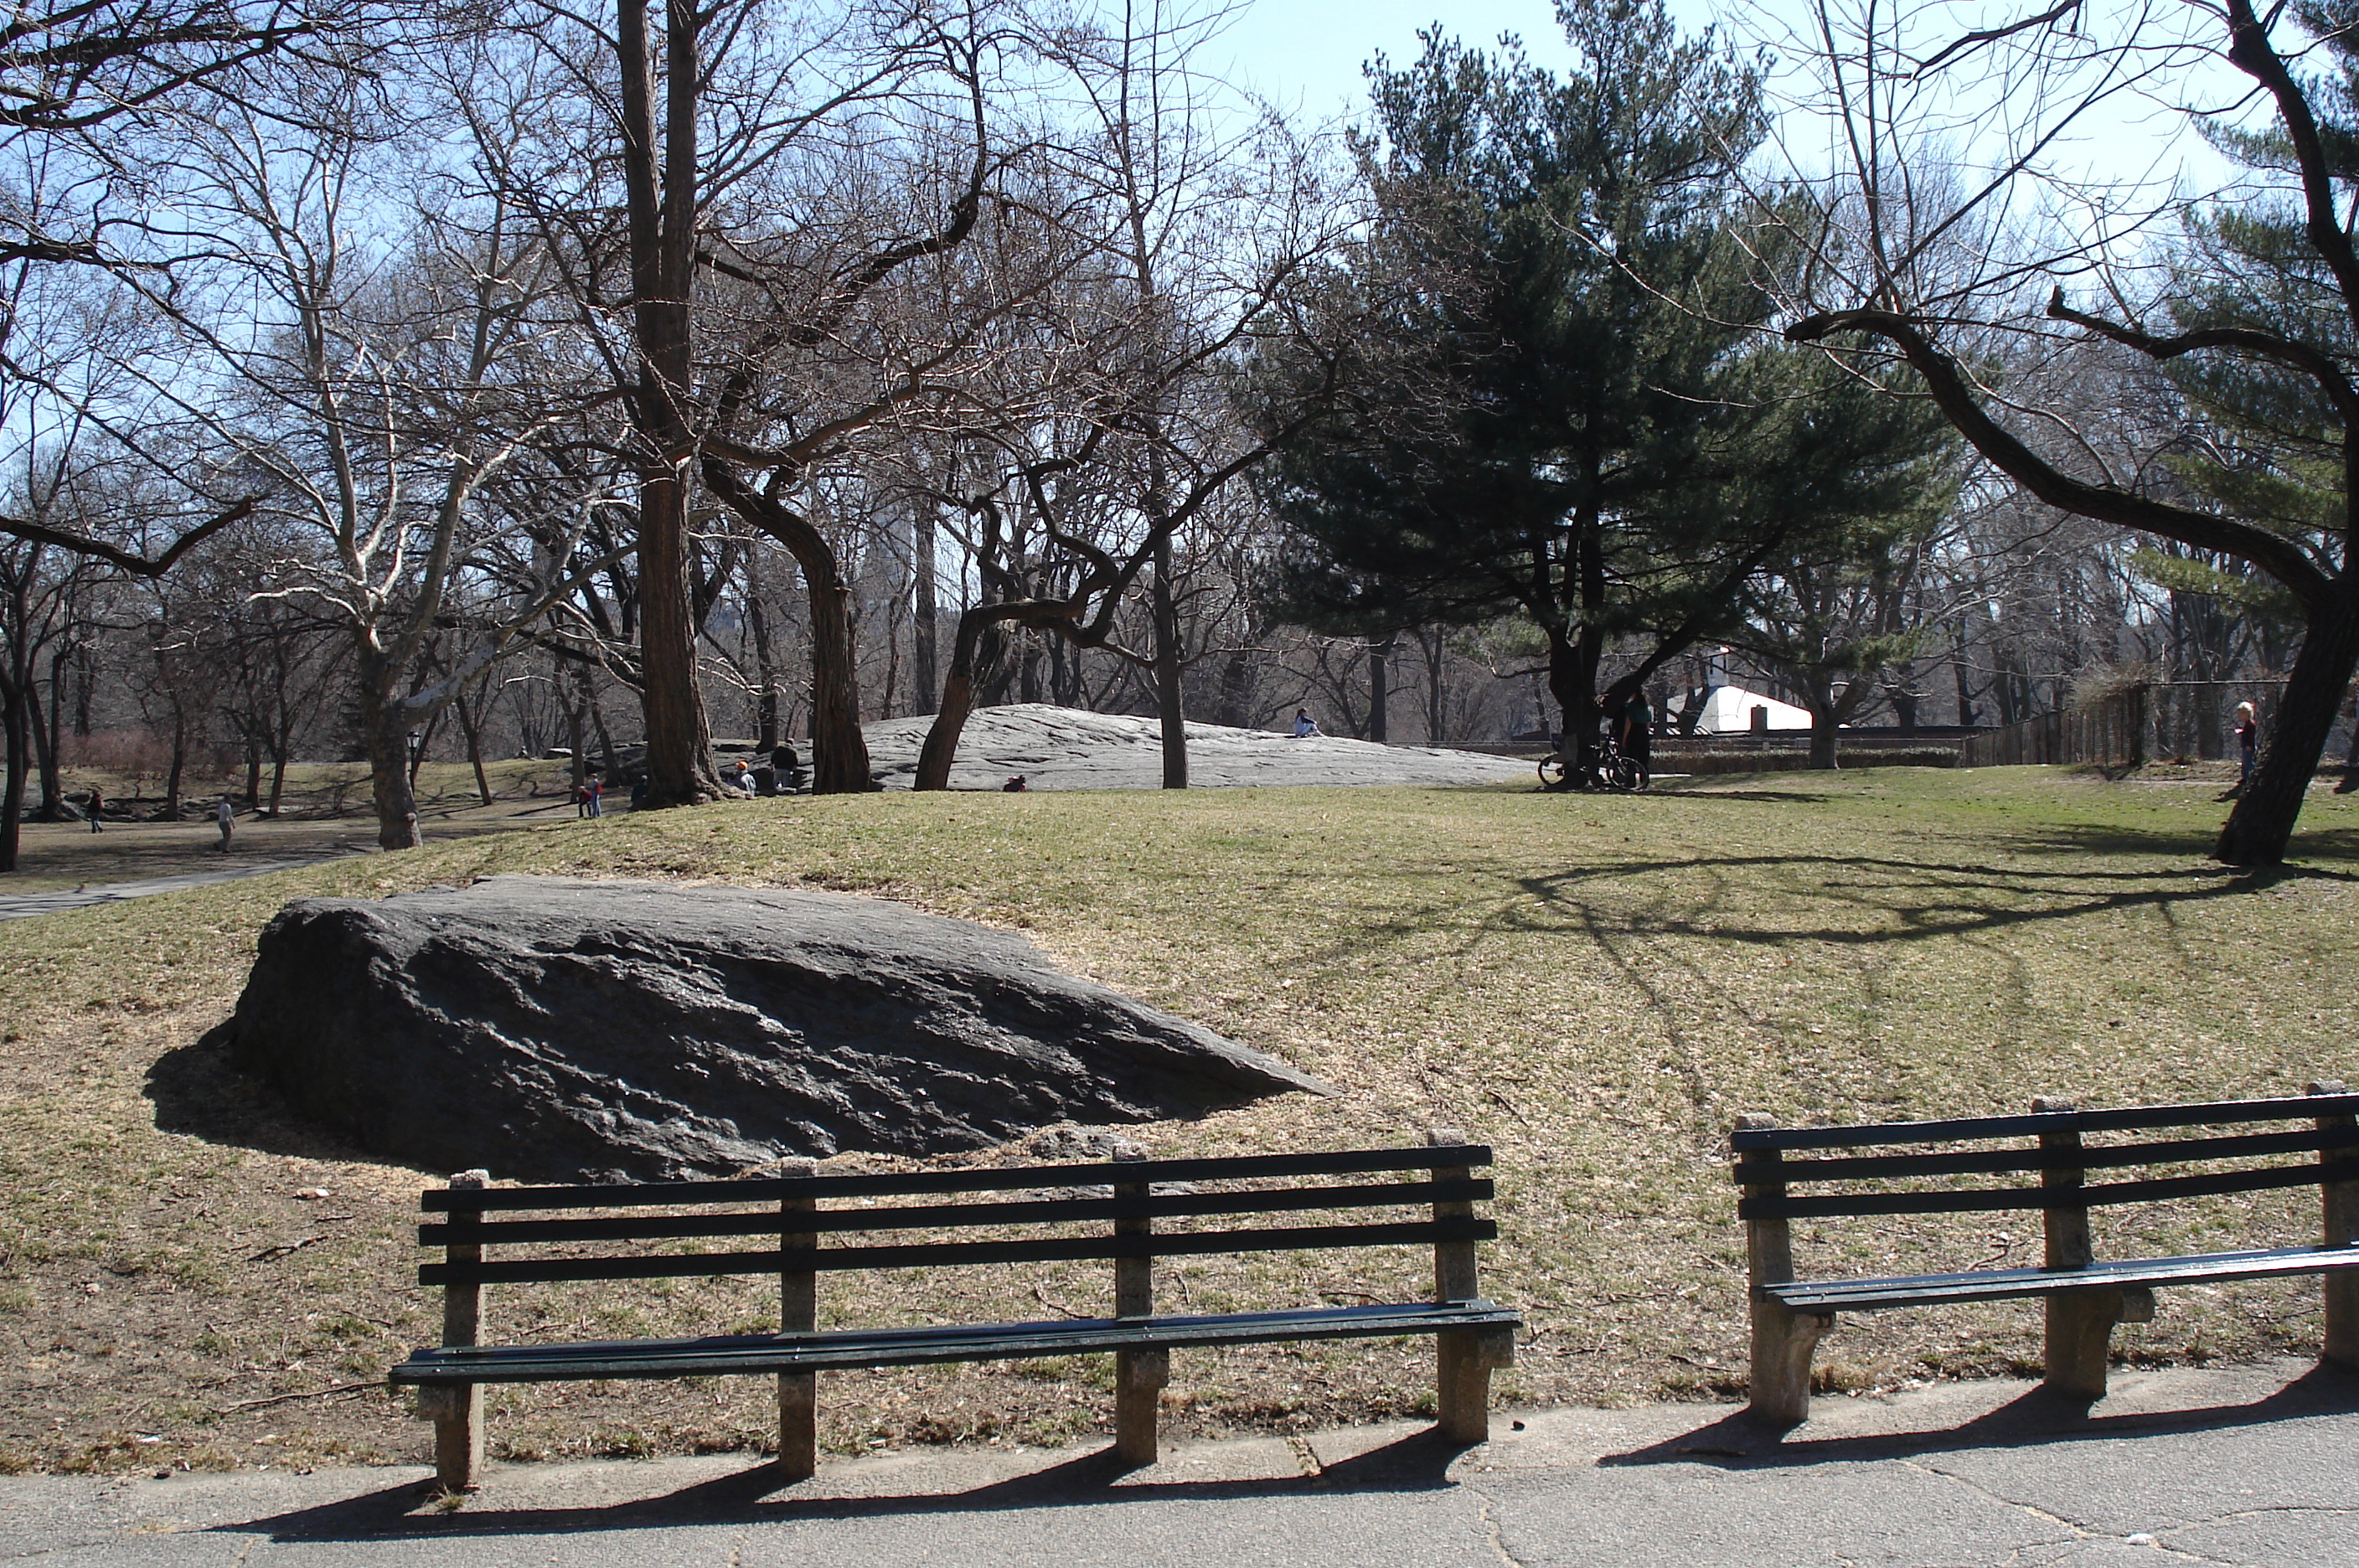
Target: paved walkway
{"points": [[2250, 1466], [20, 906]]}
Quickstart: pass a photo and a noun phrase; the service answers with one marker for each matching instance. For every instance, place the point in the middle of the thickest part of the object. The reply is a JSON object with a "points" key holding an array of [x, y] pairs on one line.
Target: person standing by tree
{"points": [[1635, 735], [2248, 742], [225, 819], [97, 806]]}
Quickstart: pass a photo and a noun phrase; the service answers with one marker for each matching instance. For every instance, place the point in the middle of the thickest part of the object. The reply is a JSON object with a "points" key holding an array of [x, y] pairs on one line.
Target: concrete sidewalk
{"points": [[2248, 1466]]}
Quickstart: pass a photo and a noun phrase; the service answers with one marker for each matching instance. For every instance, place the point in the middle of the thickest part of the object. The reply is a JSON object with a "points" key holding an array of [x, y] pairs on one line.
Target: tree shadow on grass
{"points": [[1419, 1463], [2062, 895]]}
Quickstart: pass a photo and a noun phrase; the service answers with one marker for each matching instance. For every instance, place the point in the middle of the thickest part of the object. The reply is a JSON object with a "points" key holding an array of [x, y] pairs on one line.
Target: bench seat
{"points": [[847, 1349], [2004, 1284]]}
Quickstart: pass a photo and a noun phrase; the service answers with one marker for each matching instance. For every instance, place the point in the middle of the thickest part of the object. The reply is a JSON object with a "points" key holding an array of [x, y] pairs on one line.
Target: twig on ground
{"points": [[1042, 1297], [309, 1394], [271, 1254], [1510, 1107]]}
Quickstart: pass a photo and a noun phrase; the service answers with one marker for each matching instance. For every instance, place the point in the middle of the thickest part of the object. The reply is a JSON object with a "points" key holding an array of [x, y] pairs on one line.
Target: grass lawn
{"points": [[1596, 986]]}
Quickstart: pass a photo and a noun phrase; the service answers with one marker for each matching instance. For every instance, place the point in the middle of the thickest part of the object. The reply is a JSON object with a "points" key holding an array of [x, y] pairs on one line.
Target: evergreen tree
{"points": [[1579, 419]]}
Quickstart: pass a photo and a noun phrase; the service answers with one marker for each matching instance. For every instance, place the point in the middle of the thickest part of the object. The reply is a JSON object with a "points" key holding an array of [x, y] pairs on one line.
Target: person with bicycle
{"points": [[1634, 735]]}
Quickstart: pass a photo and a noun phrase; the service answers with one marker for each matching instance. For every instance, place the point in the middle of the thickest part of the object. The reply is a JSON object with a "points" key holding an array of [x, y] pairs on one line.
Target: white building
{"points": [[1728, 710]]}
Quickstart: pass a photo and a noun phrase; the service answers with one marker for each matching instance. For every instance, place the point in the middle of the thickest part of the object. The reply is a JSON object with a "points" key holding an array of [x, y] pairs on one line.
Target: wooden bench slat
{"points": [[2005, 1162], [953, 1254], [2000, 1284], [1983, 1199], [998, 1178], [837, 1349], [2121, 1119], [1047, 1210]]}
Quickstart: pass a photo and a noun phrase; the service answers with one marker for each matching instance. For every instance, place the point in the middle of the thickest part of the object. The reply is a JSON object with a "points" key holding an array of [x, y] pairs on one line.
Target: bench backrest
{"points": [[2323, 1152], [789, 1213]]}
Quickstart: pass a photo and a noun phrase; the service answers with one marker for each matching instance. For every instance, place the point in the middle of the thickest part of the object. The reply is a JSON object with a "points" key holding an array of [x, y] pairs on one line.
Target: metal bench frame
{"points": [[1472, 1336], [2084, 1297]]}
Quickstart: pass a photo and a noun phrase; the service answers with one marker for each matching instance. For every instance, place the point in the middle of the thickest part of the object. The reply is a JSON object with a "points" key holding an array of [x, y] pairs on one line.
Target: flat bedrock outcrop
{"points": [[552, 1029]]}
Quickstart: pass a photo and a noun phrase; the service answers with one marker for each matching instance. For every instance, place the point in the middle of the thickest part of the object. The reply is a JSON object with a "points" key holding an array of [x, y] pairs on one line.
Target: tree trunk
{"points": [[388, 737], [661, 191], [14, 719], [1572, 679], [841, 765], [926, 693], [1168, 699], [934, 758], [766, 675], [1822, 740], [470, 725], [577, 744], [179, 762], [45, 757], [2258, 830], [1380, 697], [53, 791], [1434, 642], [252, 777]]}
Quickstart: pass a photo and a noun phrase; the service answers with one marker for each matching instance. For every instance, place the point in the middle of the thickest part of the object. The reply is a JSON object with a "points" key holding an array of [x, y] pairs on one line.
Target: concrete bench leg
{"points": [[1464, 1362], [457, 1412], [798, 1426], [1783, 1342], [2341, 1349], [2080, 1331], [1139, 1377]]}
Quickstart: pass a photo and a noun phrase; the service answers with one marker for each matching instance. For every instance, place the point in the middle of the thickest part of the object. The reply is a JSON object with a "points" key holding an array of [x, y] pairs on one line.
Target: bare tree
{"points": [[1927, 259]]}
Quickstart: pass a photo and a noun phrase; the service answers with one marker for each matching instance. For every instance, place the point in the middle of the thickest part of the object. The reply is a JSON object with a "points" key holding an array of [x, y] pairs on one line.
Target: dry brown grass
{"points": [[1595, 988]]}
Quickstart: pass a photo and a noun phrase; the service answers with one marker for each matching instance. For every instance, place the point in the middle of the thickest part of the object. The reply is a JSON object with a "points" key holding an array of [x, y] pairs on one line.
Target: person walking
{"points": [[2248, 742], [97, 805], [225, 819], [595, 788]]}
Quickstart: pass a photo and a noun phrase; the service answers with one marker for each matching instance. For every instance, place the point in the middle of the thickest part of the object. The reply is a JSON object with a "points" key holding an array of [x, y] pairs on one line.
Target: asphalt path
{"points": [[22, 905], [2250, 1466]]}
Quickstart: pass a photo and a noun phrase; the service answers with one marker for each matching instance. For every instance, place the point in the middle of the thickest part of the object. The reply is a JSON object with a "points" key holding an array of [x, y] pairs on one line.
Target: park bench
{"points": [[805, 1234], [2084, 1296]]}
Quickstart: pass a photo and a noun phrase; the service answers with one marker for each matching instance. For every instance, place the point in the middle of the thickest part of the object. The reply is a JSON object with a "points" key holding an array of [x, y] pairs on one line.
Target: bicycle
{"points": [[1611, 770]]}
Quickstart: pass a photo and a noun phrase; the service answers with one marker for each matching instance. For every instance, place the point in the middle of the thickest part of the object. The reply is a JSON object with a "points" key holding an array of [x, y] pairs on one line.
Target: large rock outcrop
{"points": [[1064, 749], [559, 1029]]}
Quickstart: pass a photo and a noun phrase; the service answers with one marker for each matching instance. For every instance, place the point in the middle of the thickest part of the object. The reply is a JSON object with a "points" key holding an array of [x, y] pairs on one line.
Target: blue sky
{"points": [[1306, 54]]}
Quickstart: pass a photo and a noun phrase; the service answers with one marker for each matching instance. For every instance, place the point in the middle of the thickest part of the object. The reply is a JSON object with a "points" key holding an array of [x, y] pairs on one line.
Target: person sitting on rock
{"points": [[789, 768], [1016, 785], [1304, 725]]}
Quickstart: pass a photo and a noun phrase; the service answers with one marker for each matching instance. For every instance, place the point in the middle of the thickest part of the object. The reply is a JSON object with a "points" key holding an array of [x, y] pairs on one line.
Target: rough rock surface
{"points": [[1064, 749], [552, 1029]]}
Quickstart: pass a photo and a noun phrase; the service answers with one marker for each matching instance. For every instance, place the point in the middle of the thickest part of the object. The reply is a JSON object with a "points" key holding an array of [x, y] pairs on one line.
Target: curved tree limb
{"points": [[117, 556], [2280, 557]]}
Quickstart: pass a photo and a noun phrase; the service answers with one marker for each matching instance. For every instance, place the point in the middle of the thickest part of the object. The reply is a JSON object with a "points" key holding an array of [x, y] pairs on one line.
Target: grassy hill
{"points": [[1596, 986]]}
